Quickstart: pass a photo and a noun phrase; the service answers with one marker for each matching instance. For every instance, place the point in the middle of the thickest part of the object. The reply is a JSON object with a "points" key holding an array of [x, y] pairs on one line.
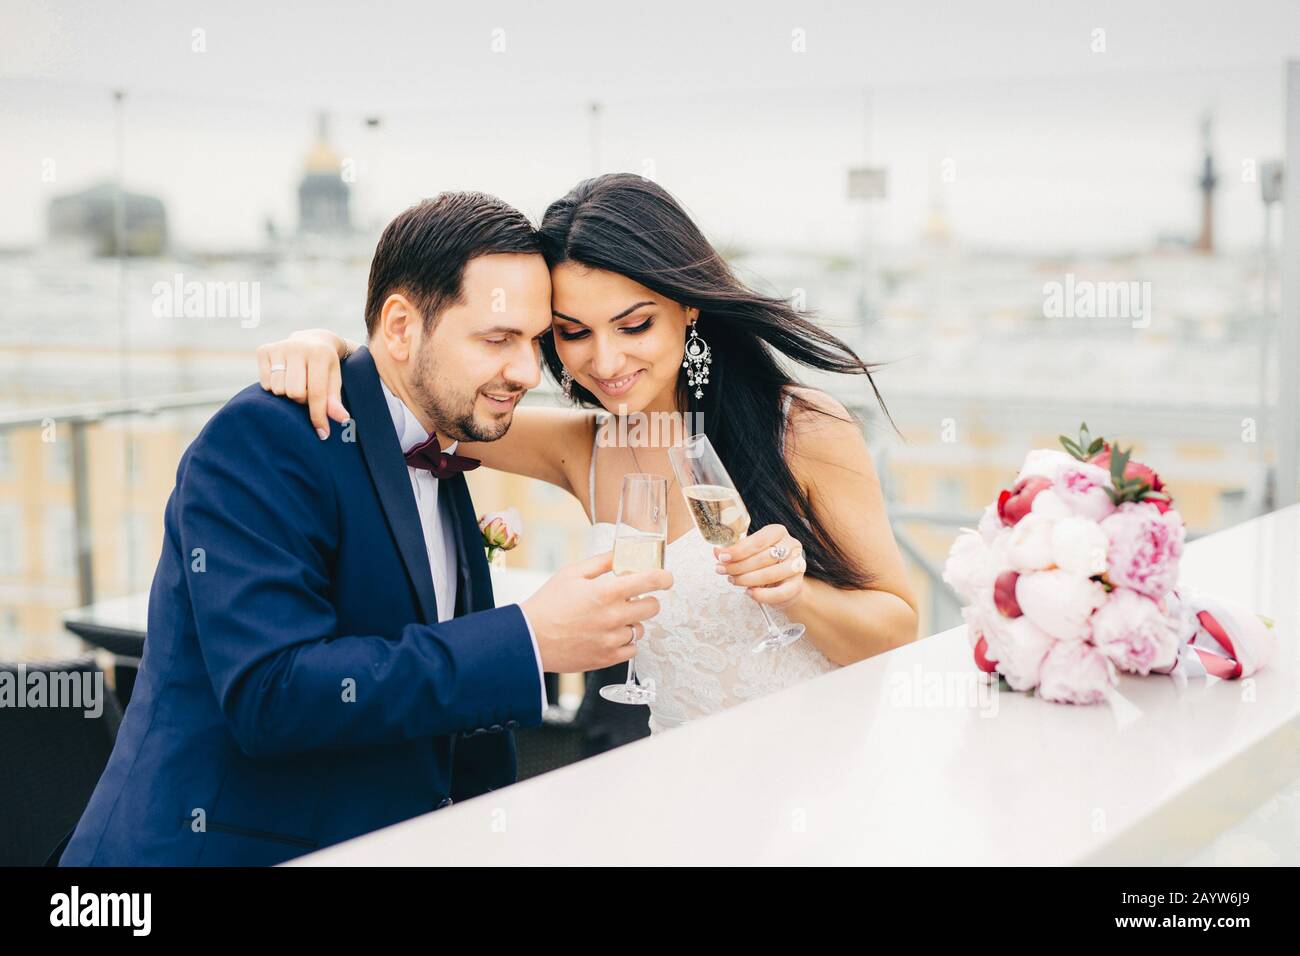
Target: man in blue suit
{"points": [[324, 657]]}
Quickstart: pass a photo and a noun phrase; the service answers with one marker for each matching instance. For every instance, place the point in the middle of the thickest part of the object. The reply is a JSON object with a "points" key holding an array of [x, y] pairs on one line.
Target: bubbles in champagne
{"points": [[637, 551], [718, 513]]}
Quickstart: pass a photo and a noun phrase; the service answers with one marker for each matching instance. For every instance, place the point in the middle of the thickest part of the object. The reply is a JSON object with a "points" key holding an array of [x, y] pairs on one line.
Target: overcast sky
{"points": [[750, 112]]}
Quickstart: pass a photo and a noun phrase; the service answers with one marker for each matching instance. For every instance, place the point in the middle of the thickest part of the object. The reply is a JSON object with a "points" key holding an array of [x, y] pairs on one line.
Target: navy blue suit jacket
{"points": [[296, 689]]}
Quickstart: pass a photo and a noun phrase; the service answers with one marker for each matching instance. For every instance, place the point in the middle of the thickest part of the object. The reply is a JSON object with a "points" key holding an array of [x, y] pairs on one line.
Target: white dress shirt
{"points": [[436, 519]]}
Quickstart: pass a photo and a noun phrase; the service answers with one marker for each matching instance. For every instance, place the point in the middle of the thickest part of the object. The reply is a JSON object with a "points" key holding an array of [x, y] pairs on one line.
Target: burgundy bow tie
{"points": [[442, 464]]}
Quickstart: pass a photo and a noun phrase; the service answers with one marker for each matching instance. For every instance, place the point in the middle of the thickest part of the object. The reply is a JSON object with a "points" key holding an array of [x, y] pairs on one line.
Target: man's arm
{"points": [[258, 497]]}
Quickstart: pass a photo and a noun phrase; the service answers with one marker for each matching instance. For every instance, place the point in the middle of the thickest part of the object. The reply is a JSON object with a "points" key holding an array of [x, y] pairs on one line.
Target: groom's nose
{"points": [[524, 369]]}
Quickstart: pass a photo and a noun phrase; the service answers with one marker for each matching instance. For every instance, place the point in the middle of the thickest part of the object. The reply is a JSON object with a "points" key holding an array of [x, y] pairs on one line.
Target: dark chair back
{"points": [[51, 754]]}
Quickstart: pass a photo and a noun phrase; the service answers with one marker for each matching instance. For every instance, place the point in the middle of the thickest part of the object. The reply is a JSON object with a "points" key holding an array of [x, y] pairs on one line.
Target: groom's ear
{"points": [[400, 325]]}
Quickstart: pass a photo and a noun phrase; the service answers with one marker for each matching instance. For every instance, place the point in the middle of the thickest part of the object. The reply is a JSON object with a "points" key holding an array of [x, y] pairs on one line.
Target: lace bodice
{"points": [[697, 649]]}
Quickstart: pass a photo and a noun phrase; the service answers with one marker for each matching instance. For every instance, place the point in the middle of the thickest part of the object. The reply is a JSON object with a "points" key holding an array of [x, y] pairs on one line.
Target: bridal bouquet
{"points": [[1072, 576]]}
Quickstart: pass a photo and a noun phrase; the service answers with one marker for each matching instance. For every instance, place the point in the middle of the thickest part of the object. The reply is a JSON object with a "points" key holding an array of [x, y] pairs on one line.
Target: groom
{"points": [[323, 655]]}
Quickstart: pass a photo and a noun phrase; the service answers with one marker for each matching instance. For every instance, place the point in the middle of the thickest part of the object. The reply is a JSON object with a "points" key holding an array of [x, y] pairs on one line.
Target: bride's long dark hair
{"points": [[625, 224]]}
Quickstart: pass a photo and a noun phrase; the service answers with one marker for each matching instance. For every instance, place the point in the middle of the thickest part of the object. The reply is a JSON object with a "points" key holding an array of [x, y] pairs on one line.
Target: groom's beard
{"points": [[452, 410]]}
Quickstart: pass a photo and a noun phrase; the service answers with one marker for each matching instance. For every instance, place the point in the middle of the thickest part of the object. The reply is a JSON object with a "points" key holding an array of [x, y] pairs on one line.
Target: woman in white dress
{"points": [[638, 294]]}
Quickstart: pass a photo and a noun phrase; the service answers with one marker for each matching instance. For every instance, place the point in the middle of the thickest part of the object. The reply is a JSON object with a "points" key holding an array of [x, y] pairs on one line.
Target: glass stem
{"points": [[631, 672], [767, 616]]}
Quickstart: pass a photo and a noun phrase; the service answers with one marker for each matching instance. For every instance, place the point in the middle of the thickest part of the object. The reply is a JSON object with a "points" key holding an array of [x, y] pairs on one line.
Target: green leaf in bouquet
{"points": [[1084, 447]]}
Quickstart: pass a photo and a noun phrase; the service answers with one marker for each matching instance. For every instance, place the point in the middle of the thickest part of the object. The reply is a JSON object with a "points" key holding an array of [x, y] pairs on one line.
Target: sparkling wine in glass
{"points": [[720, 515], [639, 539]]}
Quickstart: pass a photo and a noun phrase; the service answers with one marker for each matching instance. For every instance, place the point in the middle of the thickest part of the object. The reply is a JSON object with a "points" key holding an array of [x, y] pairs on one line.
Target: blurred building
{"points": [[88, 220], [323, 196]]}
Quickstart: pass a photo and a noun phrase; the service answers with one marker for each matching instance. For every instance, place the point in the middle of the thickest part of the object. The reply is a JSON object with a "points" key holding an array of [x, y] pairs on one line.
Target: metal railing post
{"points": [[82, 541]]}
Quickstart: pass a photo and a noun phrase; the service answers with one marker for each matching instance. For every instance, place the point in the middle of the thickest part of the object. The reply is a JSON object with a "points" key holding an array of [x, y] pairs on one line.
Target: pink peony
{"points": [[1075, 672], [1135, 633], [1059, 602], [1135, 469], [1083, 489], [1144, 548]]}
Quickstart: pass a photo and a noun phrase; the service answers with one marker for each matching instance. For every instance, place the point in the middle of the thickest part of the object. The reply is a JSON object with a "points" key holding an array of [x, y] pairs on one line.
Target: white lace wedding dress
{"points": [[697, 649]]}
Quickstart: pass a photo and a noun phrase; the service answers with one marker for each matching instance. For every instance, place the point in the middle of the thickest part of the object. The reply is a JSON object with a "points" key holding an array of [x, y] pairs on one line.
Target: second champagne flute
{"points": [[640, 536], [720, 515]]}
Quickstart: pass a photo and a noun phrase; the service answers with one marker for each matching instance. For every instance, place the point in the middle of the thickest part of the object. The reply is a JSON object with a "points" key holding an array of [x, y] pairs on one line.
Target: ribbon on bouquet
{"points": [[1217, 637]]}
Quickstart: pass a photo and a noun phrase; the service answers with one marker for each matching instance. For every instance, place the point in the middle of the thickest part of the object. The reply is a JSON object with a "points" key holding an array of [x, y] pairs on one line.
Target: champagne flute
{"points": [[639, 539], [720, 515]]}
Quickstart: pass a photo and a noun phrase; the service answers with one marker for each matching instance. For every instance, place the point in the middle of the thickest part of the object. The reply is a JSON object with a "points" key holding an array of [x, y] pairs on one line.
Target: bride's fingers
{"points": [[295, 379], [763, 558], [751, 545], [318, 393], [264, 366], [275, 369], [334, 408], [778, 596], [772, 574]]}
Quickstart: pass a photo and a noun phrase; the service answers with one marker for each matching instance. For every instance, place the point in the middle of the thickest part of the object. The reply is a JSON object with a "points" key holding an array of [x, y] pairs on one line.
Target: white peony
{"points": [[1079, 546], [1045, 462], [1059, 602], [1029, 543]]}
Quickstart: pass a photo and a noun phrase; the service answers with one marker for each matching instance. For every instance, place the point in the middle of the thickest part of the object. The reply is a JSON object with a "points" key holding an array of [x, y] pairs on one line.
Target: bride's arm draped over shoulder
{"points": [[830, 459], [552, 444]]}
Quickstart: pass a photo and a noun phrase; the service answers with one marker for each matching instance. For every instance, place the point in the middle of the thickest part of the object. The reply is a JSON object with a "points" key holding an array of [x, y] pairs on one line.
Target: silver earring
{"points": [[566, 382], [697, 360]]}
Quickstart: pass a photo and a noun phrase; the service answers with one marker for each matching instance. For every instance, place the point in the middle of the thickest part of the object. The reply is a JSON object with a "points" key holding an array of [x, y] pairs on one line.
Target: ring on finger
{"points": [[632, 628], [277, 367], [778, 552]]}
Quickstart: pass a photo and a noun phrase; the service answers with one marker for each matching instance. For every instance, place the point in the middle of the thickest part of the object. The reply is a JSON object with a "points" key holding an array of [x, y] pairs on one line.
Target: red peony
{"points": [[1015, 504], [1135, 469]]}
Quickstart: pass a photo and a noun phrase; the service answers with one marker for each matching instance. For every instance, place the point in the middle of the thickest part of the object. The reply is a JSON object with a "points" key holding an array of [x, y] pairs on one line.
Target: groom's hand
{"points": [[583, 621]]}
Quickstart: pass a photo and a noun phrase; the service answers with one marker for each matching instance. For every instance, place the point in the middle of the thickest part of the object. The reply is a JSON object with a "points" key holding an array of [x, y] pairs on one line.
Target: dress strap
{"points": [[591, 473]]}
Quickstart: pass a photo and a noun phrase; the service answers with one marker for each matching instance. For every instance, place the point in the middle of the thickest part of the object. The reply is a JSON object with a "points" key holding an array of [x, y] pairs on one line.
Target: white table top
{"points": [[896, 760]]}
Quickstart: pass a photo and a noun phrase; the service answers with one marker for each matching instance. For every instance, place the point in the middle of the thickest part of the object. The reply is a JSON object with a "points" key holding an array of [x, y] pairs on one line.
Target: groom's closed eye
{"points": [[500, 335]]}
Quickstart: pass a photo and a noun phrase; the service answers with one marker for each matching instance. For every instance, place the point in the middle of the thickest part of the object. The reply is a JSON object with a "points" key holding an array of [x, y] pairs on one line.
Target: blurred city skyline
{"points": [[1006, 121]]}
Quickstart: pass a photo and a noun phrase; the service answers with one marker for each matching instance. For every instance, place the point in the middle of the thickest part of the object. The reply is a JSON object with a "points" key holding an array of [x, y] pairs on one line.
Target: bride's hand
{"points": [[305, 367], [769, 564]]}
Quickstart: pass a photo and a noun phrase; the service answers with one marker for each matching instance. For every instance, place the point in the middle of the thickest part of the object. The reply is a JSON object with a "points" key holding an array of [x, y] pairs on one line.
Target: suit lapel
{"points": [[387, 466], [475, 578]]}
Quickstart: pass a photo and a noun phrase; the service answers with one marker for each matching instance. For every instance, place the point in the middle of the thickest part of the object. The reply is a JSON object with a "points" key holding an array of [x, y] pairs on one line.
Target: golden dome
{"points": [[322, 159]]}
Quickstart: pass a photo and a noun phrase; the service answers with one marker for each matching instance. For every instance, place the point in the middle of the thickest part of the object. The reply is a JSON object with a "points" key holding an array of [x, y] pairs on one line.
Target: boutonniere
{"points": [[501, 532]]}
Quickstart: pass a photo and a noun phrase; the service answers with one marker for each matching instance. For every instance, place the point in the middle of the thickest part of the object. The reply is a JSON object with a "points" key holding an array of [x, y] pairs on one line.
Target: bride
{"points": [[633, 282]]}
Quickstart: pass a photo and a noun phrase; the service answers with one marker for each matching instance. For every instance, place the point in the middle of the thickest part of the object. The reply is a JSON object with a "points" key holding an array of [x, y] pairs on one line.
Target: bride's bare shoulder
{"points": [[813, 412]]}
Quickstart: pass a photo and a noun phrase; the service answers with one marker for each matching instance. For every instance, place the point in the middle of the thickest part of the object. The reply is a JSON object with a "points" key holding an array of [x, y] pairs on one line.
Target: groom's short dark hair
{"points": [[423, 252]]}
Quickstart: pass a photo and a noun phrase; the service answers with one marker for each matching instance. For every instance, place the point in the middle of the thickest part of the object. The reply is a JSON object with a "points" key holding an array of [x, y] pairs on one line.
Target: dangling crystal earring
{"points": [[566, 382], [697, 360]]}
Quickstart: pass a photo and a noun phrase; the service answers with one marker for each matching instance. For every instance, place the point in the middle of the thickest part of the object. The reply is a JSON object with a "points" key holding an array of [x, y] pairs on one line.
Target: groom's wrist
{"points": [[537, 654]]}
